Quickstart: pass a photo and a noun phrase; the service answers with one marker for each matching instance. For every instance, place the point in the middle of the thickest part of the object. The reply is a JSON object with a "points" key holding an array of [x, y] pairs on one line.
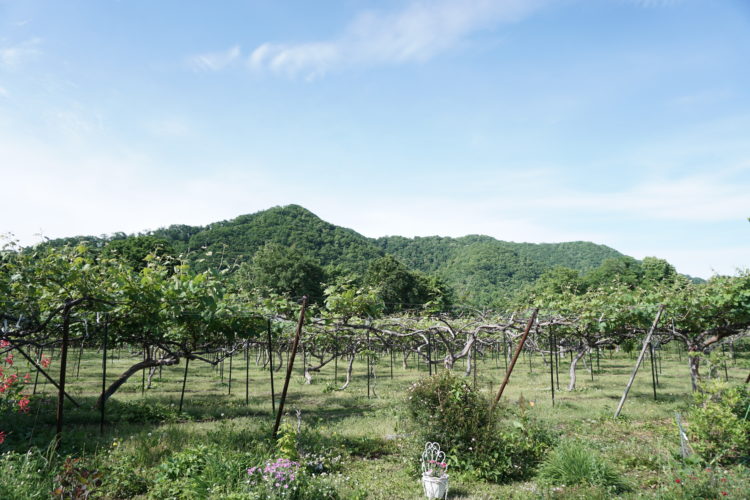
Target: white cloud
{"points": [[214, 61], [13, 56], [417, 33]]}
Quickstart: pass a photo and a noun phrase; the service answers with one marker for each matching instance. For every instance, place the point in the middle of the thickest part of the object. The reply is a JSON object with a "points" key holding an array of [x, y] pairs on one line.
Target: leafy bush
{"points": [[718, 427], [506, 445], [74, 481], [573, 463]]}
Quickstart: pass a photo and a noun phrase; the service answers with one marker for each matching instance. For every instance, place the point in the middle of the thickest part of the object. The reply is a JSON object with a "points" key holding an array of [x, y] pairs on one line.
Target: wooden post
{"points": [[515, 358], [184, 381], [290, 365], [551, 369], [429, 352], [229, 393], [474, 361], [270, 366], [368, 363], [104, 372], [63, 368], [646, 343], [247, 373], [653, 368]]}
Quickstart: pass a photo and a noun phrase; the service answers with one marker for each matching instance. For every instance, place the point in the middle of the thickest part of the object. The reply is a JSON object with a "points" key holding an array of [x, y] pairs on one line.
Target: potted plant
{"points": [[434, 472]]}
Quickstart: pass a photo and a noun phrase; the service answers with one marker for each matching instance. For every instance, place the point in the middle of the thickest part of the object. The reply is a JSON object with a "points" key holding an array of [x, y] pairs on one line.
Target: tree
{"points": [[134, 250], [283, 270]]}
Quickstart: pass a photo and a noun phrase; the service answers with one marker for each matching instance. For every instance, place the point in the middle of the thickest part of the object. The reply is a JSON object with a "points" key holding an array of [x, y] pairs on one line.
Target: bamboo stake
{"points": [[646, 343]]}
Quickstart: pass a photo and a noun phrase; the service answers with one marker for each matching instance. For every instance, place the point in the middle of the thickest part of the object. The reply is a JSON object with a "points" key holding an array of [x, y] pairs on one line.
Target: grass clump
{"points": [[572, 463]]}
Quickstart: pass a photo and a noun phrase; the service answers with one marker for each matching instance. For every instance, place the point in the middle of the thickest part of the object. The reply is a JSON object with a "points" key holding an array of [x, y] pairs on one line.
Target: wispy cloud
{"points": [[707, 198], [13, 56], [214, 61], [417, 33]]}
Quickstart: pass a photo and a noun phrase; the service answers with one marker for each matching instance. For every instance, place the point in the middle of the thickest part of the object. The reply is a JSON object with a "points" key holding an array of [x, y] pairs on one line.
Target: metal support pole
{"points": [[290, 365], [646, 342], [515, 358]]}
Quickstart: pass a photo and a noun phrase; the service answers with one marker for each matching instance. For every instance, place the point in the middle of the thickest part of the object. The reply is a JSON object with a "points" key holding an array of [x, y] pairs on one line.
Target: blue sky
{"points": [[623, 122]]}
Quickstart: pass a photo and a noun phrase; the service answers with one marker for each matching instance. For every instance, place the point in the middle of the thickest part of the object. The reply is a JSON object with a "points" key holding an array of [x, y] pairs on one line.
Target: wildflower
{"points": [[2, 437], [23, 404], [677, 481], [724, 493]]}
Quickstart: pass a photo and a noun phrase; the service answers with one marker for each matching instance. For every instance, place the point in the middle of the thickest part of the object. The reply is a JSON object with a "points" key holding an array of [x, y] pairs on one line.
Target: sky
{"points": [[622, 122]]}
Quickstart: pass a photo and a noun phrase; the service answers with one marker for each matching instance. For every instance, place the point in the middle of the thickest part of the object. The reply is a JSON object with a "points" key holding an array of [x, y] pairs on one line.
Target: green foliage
{"points": [[286, 441], [25, 475], [140, 411], [135, 249], [197, 472], [575, 463], [284, 478], [445, 409], [702, 483], [125, 477], [400, 288], [499, 447], [76, 482], [284, 271], [719, 425]]}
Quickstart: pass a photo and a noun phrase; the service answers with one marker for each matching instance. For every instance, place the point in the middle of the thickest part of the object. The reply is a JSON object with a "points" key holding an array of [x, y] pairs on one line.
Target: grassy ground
{"points": [[365, 431]]}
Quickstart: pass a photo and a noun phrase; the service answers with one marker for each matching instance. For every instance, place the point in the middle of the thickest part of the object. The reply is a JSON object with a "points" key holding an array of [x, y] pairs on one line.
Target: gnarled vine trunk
{"points": [[141, 365], [581, 353]]}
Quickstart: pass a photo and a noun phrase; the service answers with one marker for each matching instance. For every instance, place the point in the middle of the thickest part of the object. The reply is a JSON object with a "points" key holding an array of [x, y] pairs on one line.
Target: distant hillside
{"points": [[481, 269], [238, 239]]}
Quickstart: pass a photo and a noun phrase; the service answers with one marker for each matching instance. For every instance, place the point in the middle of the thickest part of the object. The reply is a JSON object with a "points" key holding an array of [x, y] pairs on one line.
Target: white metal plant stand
{"points": [[434, 472]]}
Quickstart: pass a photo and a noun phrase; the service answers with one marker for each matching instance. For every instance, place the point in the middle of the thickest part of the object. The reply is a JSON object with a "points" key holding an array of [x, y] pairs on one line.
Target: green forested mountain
{"points": [[237, 240], [480, 269], [483, 270]]}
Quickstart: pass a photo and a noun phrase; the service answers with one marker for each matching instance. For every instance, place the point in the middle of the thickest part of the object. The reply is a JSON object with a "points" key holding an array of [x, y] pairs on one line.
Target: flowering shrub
{"points": [[12, 397], [284, 478], [704, 483], [276, 476]]}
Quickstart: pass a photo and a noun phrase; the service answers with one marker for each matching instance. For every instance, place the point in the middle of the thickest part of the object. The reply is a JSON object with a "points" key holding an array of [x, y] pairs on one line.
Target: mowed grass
{"points": [[643, 443]]}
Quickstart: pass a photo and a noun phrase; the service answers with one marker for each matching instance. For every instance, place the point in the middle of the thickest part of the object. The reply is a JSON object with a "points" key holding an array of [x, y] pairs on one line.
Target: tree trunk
{"points": [[406, 358], [581, 353], [348, 373], [694, 364], [147, 363]]}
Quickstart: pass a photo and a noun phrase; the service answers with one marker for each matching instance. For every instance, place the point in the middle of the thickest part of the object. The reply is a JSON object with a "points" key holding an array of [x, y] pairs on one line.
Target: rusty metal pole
{"points": [[290, 365], [515, 358]]}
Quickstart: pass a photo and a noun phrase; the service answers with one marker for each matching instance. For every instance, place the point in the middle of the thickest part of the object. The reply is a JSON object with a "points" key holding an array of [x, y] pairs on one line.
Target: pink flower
{"points": [[2, 437], [23, 404]]}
